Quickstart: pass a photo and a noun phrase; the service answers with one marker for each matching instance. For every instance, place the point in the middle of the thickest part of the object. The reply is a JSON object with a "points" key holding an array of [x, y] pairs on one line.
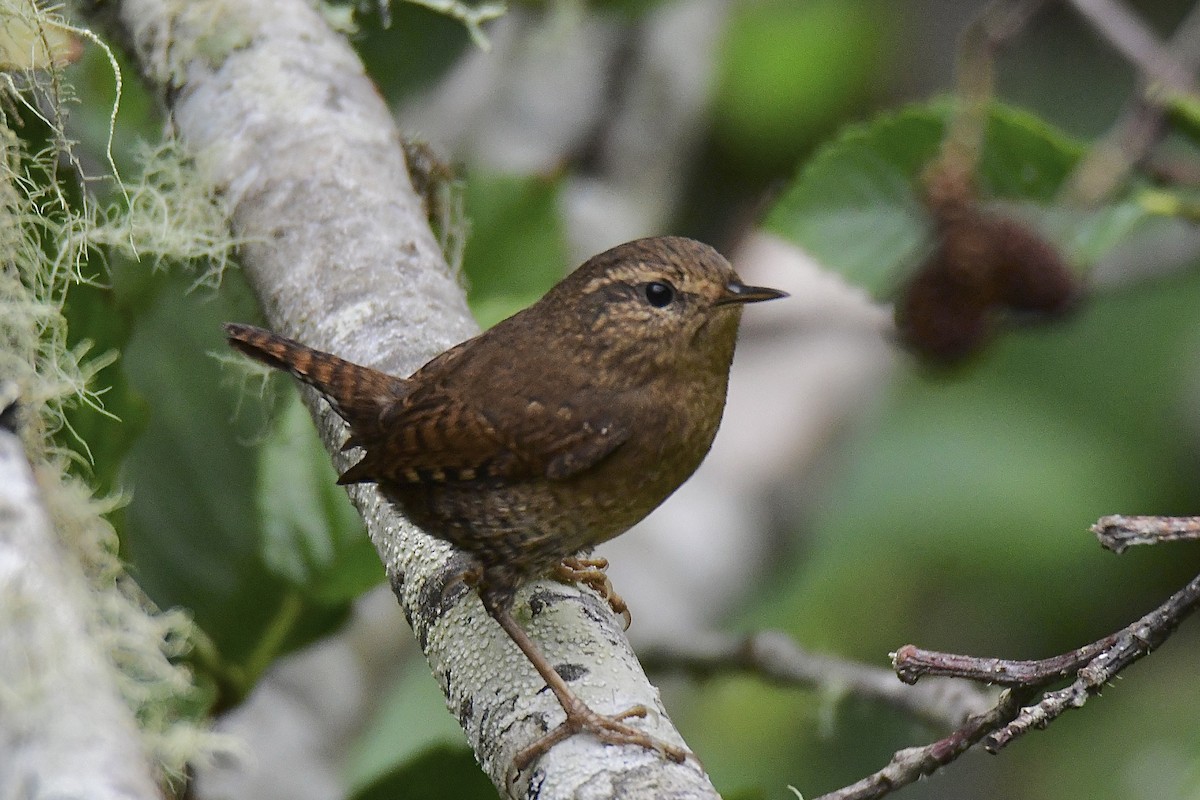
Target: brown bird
{"points": [[554, 431]]}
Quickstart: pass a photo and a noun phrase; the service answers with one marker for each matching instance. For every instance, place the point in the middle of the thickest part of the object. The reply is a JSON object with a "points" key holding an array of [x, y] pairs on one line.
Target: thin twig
{"points": [[1092, 666], [1140, 125], [909, 765], [774, 656], [912, 663], [1132, 644], [1117, 533], [996, 25], [1134, 40]]}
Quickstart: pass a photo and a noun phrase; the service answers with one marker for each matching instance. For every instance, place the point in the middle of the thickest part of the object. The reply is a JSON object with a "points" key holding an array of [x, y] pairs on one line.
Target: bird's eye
{"points": [[659, 293]]}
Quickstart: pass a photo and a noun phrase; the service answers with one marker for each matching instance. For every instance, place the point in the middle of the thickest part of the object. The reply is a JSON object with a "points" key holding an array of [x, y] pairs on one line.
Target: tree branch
{"points": [[283, 120], [1118, 533], [910, 765], [64, 729], [1164, 69], [1128, 645], [1092, 666], [773, 656], [912, 663], [1129, 36]]}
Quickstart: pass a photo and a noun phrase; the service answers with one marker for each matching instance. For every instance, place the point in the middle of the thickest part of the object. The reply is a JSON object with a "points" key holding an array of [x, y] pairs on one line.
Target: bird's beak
{"points": [[738, 292]]}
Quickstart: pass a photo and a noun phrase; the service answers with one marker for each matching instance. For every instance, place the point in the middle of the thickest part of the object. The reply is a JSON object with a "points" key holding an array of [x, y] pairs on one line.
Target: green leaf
{"points": [[413, 52], [857, 206], [1183, 108], [192, 530], [312, 537], [193, 533]]}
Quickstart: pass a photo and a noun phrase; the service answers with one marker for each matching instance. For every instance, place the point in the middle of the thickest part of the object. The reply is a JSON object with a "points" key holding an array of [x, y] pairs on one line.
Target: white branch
{"points": [[284, 121], [65, 732]]}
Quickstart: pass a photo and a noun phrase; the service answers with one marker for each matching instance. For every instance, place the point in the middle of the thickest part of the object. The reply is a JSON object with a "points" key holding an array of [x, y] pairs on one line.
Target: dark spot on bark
{"points": [[571, 672], [501, 708], [440, 592], [593, 612], [420, 629], [536, 782], [542, 599], [536, 603], [466, 710], [396, 579], [483, 718]]}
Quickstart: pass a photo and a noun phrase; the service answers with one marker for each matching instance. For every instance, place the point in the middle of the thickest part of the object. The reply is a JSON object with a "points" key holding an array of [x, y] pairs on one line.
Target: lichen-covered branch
{"points": [[283, 121], [83, 653], [65, 731]]}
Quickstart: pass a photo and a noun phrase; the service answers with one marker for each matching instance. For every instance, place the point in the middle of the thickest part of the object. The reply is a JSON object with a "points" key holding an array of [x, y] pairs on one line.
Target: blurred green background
{"points": [[956, 519]]}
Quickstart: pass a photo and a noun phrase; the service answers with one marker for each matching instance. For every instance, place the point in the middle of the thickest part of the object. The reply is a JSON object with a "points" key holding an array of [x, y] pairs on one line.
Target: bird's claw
{"points": [[590, 572], [608, 729]]}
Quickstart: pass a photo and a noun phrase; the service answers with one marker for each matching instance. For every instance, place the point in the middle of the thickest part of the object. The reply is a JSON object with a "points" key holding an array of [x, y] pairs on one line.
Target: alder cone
{"points": [[983, 265]]}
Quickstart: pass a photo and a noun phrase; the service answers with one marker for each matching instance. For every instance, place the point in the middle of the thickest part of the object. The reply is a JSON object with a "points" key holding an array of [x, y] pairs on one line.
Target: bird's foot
{"points": [[608, 729], [590, 572]]}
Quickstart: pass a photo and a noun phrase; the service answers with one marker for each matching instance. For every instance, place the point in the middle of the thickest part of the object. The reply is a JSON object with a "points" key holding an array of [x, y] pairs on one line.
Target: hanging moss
{"points": [[52, 237]]}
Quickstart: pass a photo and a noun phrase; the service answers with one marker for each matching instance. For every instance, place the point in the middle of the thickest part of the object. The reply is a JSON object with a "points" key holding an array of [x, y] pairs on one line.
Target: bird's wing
{"points": [[434, 435]]}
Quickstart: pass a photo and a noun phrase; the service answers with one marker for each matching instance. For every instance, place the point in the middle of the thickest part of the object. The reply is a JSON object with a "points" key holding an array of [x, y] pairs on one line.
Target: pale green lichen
{"points": [[47, 245], [187, 35], [472, 17], [172, 217], [443, 195], [340, 16]]}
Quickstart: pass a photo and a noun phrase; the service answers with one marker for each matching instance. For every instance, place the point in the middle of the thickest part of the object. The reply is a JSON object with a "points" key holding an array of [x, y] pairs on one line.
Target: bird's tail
{"points": [[357, 393]]}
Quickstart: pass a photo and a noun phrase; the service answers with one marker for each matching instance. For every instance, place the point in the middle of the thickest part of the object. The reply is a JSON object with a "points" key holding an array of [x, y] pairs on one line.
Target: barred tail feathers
{"points": [[356, 392]]}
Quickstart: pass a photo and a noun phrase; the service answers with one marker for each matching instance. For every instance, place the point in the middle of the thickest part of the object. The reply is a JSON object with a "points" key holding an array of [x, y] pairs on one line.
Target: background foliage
{"points": [[956, 518]]}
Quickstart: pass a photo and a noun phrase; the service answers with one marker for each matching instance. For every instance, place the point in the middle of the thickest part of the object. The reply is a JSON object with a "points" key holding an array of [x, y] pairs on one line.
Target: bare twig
{"points": [[913, 663], [1117, 533], [1129, 645], [909, 765], [1092, 666], [1130, 37], [774, 656], [1140, 125], [993, 28]]}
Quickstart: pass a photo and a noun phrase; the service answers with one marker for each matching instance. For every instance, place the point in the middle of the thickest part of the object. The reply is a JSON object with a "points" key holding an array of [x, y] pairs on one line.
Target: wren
{"points": [[554, 431]]}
